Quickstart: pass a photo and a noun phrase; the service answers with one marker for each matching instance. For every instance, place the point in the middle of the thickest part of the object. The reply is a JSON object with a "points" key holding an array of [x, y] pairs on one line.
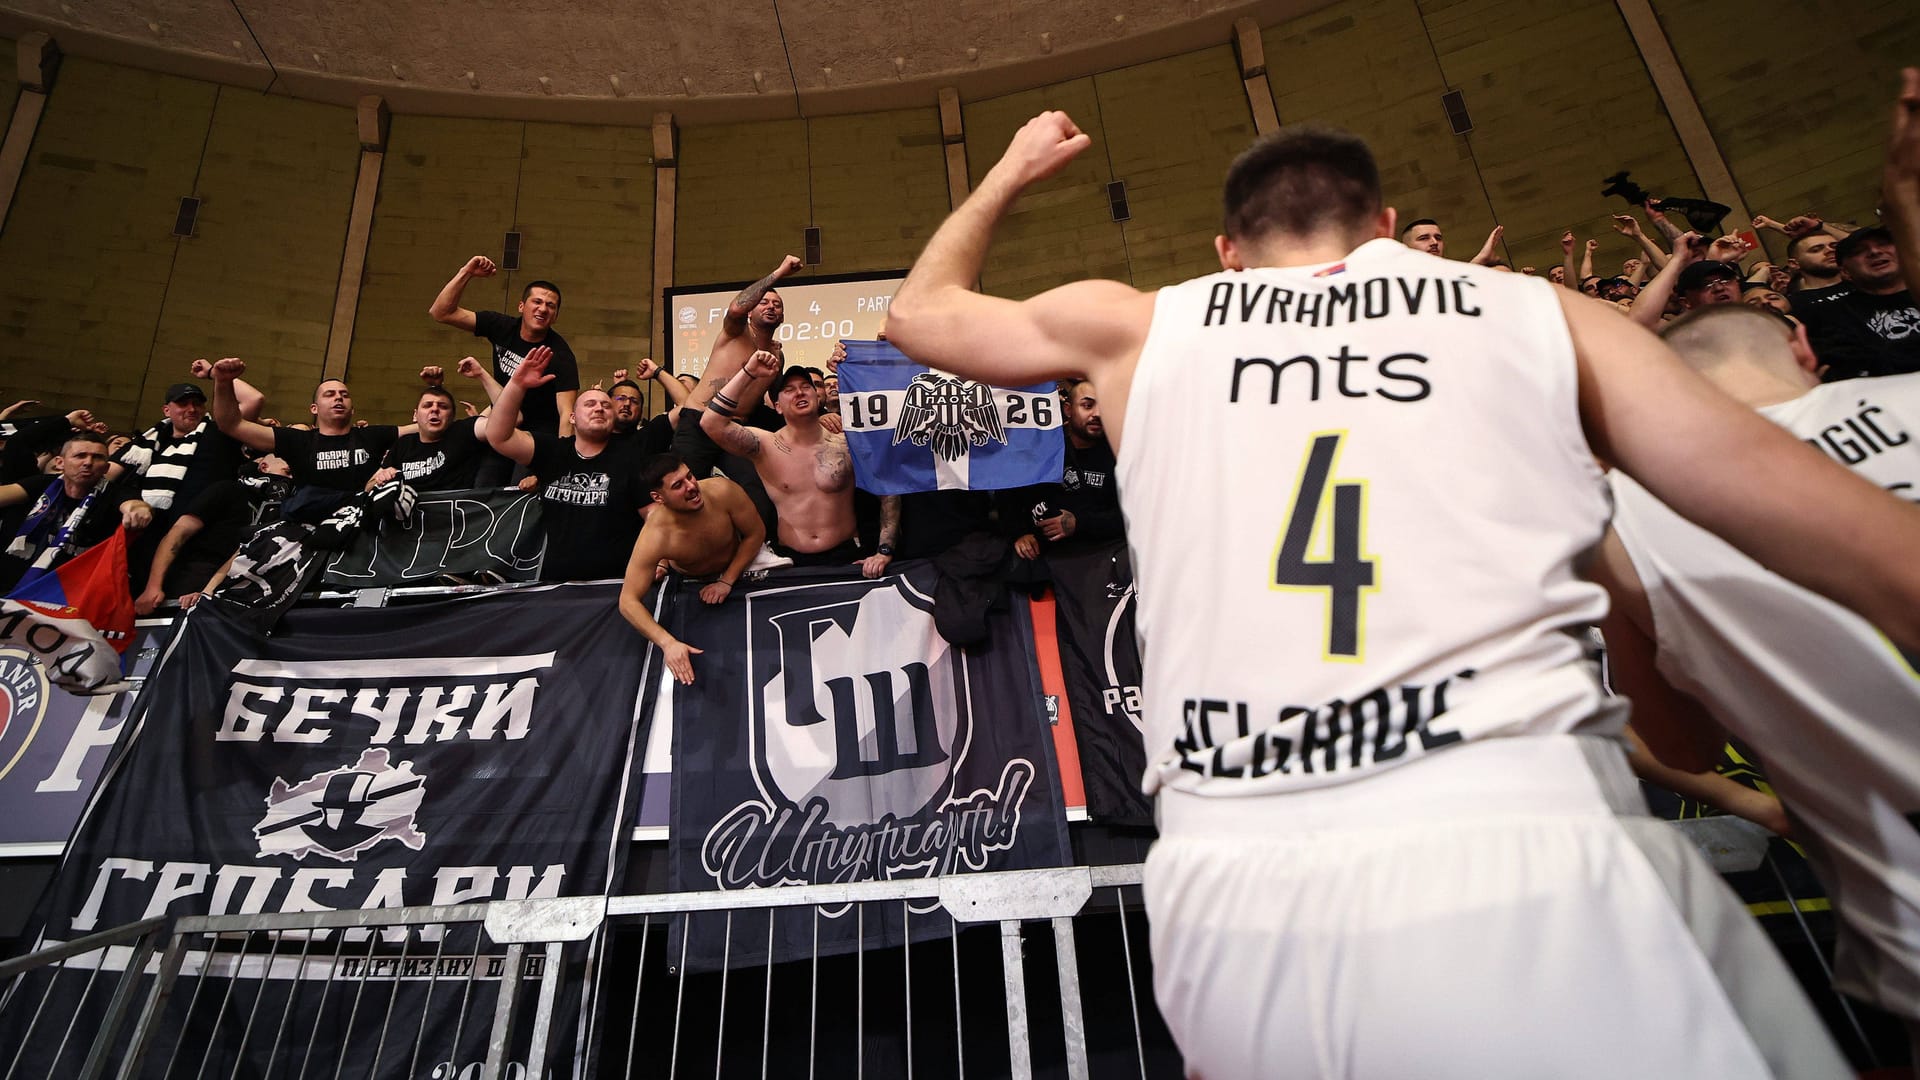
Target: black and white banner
{"points": [[1100, 660], [449, 532], [359, 759], [832, 735]]}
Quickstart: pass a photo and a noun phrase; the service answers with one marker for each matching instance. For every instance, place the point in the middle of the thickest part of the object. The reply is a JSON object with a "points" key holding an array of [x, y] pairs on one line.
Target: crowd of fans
{"points": [[750, 435], [748, 468]]}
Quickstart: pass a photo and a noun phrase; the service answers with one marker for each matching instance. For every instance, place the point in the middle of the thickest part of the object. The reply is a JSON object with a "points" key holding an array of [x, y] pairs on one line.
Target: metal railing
{"points": [[240, 989]]}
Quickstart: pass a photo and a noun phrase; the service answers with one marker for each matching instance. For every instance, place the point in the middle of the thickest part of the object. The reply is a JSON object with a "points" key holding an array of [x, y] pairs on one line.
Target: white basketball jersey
{"points": [[1831, 705], [1355, 495]]}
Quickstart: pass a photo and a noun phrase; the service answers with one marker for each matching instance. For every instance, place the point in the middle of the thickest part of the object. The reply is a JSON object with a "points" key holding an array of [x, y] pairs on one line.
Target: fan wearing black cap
{"points": [[1872, 327], [178, 458], [805, 467], [1697, 281]]}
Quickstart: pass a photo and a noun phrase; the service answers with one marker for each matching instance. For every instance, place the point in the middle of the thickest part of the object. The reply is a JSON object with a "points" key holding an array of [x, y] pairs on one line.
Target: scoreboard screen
{"points": [[819, 312]]}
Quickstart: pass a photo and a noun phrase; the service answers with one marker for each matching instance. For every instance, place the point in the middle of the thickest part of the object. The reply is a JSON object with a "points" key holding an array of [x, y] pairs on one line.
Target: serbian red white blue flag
{"points": [[76, 619], [911, 428]]}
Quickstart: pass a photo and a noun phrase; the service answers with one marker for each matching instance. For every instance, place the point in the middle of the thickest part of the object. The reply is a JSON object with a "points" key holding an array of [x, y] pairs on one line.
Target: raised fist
{"points": [[1626, 224], [763, 364], [647, 370], [789, 265], [229, 369], [1042, 147], [1593, 246], [469, 368], [201, 368], [480, 266], [433, 375], [1566, 242], [839, 356]]}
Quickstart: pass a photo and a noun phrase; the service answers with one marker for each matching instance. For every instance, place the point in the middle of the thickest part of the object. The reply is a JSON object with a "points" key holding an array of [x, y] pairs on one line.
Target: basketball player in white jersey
{"points": [[1830, 704], [1398, 834]]}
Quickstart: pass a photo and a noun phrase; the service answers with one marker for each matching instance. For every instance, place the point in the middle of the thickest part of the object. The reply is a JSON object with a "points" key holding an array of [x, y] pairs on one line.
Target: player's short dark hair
{"points": [[1301, 180], [1416, 223], [439, 392], [628, 383], [661, 466], [547, 285]]}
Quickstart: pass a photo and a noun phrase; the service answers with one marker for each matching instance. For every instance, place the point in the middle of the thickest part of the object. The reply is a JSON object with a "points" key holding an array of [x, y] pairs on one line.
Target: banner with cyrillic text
{"points": [[359, 759]]}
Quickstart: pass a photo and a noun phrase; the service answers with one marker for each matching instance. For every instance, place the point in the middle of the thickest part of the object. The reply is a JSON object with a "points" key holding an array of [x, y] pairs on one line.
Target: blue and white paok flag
{"points": [[911, 428]]}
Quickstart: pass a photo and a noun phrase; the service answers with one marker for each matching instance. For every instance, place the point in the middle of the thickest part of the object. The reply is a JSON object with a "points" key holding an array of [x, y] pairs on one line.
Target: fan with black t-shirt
{"points": [[1858, 334], [334, 462], [540, 412], [449, 463], [589, 506]]}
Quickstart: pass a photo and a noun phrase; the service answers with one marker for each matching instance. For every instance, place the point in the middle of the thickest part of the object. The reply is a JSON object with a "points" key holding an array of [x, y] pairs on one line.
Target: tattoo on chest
{"points": [[832, 465]]}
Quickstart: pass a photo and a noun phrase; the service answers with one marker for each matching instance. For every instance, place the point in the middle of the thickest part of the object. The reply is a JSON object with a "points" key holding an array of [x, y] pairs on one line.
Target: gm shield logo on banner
{"points": [[860, 720]]}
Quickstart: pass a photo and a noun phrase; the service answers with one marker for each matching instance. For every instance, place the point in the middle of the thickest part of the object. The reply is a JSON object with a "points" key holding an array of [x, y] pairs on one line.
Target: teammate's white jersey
{"points": [[1355, 495], [1832, 707]]}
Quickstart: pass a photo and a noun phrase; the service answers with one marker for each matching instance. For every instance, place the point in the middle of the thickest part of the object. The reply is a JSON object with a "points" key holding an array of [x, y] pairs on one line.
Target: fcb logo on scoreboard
{"points": [[23, 702]]}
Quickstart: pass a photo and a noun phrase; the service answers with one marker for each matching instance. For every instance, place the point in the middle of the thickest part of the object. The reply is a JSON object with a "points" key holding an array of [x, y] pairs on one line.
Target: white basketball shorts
{"points": [[1500, 909]]}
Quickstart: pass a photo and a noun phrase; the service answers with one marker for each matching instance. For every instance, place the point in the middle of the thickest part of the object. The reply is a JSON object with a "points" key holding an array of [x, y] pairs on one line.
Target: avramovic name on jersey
{"points": [[1245, 301], [1221, 738]]}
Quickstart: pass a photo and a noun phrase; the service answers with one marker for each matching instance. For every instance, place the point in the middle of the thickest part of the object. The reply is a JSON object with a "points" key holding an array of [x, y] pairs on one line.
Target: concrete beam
{"points": [[372, 121]]}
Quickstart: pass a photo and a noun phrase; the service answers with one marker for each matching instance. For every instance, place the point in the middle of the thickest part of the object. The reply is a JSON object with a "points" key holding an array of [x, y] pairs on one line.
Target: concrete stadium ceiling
{"points": [[619, 61]]}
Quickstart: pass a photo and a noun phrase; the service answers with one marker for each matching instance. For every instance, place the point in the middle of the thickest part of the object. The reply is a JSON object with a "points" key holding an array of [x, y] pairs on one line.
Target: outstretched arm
{"points": [[250, 398], [503, 433], [446, 306], [1743, 478], [633, 606], [155, 593], [734, 398], [1651, 304], [1086, 328], [226, 407], [734, 323], [747, 524]]}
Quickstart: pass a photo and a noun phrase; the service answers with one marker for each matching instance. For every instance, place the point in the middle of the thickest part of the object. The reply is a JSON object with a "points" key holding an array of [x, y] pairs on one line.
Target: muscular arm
{"points": [[1741, 477], [226, 411], [155, 594], [734, 323], [446, 306], [1089, 328], [746, 522], [1705, 785], [503, 425], [676, 390], [633, 606], [736, 439], [735, 397], [1651, 304]]}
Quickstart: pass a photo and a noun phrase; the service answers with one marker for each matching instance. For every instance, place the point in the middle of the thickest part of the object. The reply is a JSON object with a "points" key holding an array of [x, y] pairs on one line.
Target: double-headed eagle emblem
{"points": [[949, 413]]}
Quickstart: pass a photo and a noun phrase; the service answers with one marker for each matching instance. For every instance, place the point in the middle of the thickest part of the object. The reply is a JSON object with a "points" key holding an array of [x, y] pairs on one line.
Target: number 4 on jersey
{"points": [[1345, 573]]}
